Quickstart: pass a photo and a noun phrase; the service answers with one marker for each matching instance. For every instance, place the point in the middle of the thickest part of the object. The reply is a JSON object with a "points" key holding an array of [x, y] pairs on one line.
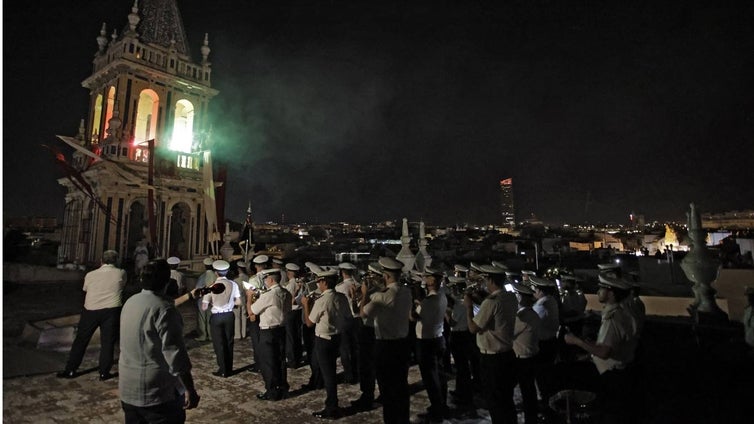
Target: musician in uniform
{"points": [[526, 347], [366, 340], [176, 275], [493, 326], [391, 310], [430, 344], [221, 323], [270, 310], [256, 284], [328, 314], [546, 306], [293, 346], [349, 348], [613, 352], [239, 313], [202, 315], [464, 350]]}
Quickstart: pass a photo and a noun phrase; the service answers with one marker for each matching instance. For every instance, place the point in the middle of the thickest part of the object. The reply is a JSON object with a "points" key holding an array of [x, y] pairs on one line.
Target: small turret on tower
{"points": [[205, 49], [134, 19], [102, 39]]}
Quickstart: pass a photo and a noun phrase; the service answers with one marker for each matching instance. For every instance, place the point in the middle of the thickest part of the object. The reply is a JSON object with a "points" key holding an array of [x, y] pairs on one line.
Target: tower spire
{"points": [[133, 17], [102, 38], [205, 49]]}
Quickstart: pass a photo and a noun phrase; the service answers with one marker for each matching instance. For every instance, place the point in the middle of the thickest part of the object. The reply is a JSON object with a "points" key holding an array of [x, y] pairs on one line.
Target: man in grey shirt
{"points": [[155, 370]]}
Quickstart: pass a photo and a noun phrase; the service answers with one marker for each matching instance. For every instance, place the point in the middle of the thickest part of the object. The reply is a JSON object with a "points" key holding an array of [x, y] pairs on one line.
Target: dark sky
{"points": [[373, 110]]}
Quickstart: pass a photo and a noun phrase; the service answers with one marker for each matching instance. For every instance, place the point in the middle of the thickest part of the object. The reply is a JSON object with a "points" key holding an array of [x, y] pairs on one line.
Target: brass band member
{"points": [[493, 326], [202, 316], [293, 346], [526, 347], [329, 314], [256, 284], [546, 306], [391, 310], [221, 323], [239, 313], [430, 345], [371, 283], [270, 311], [349, 348]]}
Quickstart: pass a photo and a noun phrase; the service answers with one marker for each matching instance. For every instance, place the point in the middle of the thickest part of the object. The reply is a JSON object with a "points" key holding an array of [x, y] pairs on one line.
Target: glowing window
{"points": [[146, 116], [109, 107], [96, 119], [183, 127]]}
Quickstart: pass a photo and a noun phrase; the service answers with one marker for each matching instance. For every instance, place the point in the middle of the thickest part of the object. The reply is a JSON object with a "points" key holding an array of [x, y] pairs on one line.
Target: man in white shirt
{"points": [[349, 346], [222, 321], [526, 347], [102, 306]]}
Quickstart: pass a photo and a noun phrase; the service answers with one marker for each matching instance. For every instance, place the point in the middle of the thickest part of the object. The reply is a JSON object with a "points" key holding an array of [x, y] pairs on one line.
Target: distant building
{"points": [[735, 220], [31, 223], [507, 209], [141, 172]]}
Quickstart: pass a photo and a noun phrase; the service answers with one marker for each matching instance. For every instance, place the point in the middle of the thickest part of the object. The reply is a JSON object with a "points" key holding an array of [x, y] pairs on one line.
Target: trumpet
{"points": [[477, 291], [373, 283]]}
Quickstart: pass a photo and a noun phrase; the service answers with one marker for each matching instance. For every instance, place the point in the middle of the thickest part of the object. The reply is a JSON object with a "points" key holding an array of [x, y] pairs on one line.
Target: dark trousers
{"points": [[431, 353], [366, 362], [391, 363], [254, 334], [272, 352], [498, 381], [463, 347], [349, 349], [616, 396], [315, 380], [108, 321], [222, 327], [293, 347], [327, 355], [546, 377], [526, 371], [165, 413]]}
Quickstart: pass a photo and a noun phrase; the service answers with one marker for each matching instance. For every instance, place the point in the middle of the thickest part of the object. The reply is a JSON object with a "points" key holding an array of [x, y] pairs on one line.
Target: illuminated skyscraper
{"points": [[506, 202]]}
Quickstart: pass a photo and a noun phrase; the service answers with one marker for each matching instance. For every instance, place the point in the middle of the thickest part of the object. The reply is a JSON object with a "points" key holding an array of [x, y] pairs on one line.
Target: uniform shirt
{"points": [[458, 316], [152, 351], [178, 277], [344, 287], [391, 310], [225, 301], [242, 278], [292, 287], [526, 333], [431, 313], [618, 330], [272, 307], [749, 326], [103, 287], [547, 309], [329, 313], [573, 305], [638, 310], [496, 318]]}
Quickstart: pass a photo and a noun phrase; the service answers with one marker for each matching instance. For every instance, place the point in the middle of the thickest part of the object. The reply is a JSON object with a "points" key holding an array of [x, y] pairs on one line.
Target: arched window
{"points": [[146, 116], [97, 118], [109, 107], [183, 127]]}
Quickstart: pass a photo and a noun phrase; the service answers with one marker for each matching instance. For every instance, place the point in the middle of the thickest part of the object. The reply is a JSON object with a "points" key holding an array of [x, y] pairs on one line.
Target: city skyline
{"points": [[350, 112]]}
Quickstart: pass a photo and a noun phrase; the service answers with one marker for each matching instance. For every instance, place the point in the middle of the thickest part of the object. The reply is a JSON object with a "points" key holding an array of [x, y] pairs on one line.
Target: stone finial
{"points": [[133, 17], [113, 125], [102, 38], [81, 136], [205, 48], [114, 35]]}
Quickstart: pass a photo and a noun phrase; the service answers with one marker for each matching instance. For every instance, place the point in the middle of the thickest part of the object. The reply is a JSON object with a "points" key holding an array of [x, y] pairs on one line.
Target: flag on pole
{"points": [[210, 207]]}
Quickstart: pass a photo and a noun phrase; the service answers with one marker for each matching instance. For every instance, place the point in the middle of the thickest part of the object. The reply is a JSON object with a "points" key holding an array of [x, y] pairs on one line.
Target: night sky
{"points": [[367, 111]]}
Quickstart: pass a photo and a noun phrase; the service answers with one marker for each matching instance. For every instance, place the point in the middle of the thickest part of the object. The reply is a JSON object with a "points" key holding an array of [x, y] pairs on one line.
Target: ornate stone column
{"points": [[701, 268]]}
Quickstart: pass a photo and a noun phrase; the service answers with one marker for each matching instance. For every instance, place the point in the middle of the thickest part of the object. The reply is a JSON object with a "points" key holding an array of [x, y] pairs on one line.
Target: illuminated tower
{"points": [[142, 166], [506, 202]]}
